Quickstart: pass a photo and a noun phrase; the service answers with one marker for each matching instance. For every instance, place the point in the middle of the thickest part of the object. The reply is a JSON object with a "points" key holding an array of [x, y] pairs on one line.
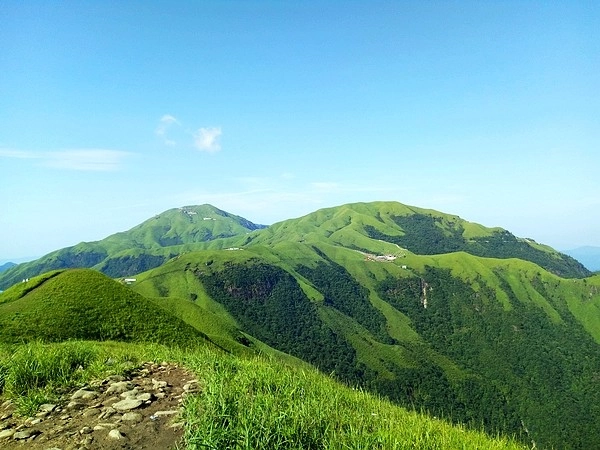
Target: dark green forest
{"points": [[543, 371], [427, 235]]}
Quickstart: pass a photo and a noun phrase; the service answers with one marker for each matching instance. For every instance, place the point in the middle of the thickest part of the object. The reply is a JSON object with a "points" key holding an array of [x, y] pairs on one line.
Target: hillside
{"points": [[420, 231], [6, 266], [245, 402], [424, 308], [84, 304], [477, 340], [143, 247]]}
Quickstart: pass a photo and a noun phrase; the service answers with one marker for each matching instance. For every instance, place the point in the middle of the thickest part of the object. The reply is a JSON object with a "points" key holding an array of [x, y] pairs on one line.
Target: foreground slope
{"points": [[492, 341], [244, 402], [143, 247], [84, 304]]}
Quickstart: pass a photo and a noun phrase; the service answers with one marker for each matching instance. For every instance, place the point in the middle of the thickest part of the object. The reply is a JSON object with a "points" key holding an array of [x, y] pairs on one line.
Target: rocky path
{"points": [[137, 412]]}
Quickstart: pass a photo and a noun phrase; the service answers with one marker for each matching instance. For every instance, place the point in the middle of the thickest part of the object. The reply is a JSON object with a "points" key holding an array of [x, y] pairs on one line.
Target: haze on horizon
{"points": [[111, 113]]}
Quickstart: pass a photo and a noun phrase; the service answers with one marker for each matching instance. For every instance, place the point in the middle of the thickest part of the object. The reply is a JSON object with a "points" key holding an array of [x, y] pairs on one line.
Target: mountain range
{"points": [[589, 256], [431, 311]]}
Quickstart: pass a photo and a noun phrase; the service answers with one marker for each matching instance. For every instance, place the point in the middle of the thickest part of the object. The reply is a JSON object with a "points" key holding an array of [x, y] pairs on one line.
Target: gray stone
{"points": [[131, 393], [6, 434], [127, 404], [144, 396], [85, 430], [84, 394], [119, 387], [132, 417], [166, 413], [74, 405], [47, 407], [115, 434], [24, 434]]}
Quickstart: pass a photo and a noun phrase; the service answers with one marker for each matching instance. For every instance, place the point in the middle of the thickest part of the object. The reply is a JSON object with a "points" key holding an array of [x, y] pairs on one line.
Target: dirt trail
{"points": [[136, 412]]}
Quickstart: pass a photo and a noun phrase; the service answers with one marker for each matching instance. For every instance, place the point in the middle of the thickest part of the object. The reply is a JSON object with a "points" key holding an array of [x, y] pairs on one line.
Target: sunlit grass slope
{"points": [[244, 402], [84, 304]]}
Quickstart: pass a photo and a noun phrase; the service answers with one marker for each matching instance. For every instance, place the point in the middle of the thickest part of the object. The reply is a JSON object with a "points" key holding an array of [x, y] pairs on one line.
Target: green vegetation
{"points": [[84, 304], [245, 402], [141, 248], [428, 311], [535, 362], [431, 235]]}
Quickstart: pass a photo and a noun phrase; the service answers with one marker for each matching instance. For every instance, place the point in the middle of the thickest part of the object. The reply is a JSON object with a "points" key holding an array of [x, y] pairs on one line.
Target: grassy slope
{"points": [[84, 304], [245, 403], [510, 284]]}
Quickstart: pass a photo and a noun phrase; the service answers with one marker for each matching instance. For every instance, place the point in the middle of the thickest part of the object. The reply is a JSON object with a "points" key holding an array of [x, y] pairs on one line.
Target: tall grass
{"points": [[243, 403], [35, 373], [256, 404]]}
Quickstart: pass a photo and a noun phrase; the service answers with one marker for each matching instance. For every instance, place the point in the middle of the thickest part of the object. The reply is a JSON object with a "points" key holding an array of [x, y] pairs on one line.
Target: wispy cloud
{"points": [[166, 122], [207, 139], [98, 160]]}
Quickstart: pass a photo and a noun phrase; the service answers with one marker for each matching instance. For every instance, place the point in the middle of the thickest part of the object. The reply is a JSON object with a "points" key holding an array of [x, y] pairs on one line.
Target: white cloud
{"points": [[164, 124], [99, 160], [20, 154], [207, 139]]}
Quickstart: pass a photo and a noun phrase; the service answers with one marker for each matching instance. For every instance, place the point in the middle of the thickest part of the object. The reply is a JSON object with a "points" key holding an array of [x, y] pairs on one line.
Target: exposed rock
{"points": [[139, 412], [127, 404], [115, 434]]}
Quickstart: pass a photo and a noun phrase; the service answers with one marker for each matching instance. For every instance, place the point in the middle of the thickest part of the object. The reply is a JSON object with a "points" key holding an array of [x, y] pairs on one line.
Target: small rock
{"points": [[131, 393], [90, 413], [85, 430], [86, 441], [99, 428], [24, 434], [144, 396], [84, 394], [35, 421], [132, 417], [7, 404], [108, 411], [6, 434], [127, 404], [119, 387], [6, 416], [74, 405], [159, 384], [47, 407], [166, 413], [115, 434]]}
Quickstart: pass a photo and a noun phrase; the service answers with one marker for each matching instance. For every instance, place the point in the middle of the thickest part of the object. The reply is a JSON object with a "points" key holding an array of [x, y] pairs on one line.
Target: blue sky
{"points": [[111, 112]]}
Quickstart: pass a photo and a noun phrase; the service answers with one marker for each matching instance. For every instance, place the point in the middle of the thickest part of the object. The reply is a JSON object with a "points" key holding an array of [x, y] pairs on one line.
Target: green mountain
{"points": [[464, 322], [6, 266], [421, 307], [143, 247]]}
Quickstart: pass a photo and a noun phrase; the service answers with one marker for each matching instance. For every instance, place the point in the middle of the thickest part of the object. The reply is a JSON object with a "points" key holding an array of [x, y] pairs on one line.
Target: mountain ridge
{"points": [[421, 307]]}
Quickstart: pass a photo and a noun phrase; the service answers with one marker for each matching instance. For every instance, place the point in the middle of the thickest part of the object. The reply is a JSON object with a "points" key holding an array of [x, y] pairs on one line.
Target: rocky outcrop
{"points": [[136, 412]]}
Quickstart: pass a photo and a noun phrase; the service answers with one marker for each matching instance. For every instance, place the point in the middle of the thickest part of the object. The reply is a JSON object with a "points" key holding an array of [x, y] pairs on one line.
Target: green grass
{"points": [[36, 373], [84, 304], [259, 404], [244, 402]]}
